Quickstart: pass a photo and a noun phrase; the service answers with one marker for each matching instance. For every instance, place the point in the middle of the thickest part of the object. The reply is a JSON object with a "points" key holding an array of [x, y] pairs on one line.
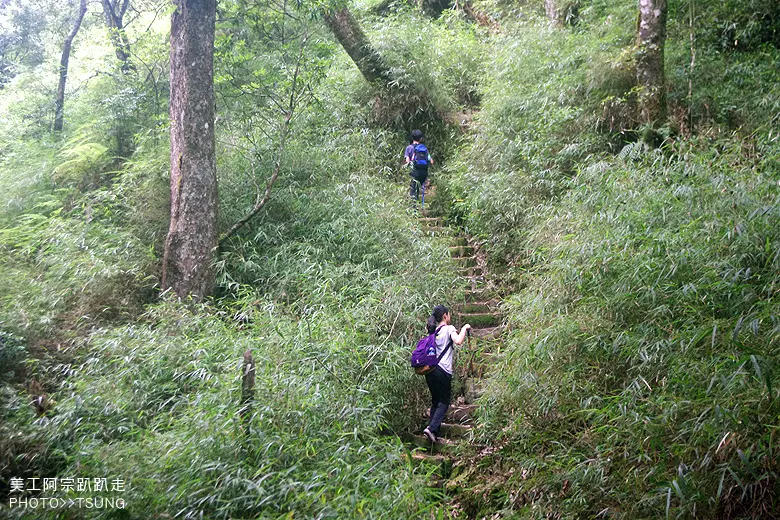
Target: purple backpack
{"points": [[424, 358]]}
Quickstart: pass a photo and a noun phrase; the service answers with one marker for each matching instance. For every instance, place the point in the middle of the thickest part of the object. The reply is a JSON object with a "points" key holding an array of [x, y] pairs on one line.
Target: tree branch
{"points": [[267, 195], [283, 132]]}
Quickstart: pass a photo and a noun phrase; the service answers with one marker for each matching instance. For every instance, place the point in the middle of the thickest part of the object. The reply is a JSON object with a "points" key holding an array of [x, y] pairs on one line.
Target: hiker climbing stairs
{"points": [[480, 308]]}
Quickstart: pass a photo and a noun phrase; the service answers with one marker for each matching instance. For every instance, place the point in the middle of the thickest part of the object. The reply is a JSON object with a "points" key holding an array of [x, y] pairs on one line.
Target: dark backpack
{"points": [[424, 358], [420, 157]]}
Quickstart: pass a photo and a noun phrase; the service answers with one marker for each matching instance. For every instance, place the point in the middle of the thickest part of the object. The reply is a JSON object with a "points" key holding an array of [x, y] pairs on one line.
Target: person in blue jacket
{"points": [[418, 158]]}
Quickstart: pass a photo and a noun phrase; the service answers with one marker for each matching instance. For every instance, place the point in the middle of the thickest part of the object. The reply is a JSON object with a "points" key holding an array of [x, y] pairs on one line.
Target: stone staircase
{"points": [[480, 309]]}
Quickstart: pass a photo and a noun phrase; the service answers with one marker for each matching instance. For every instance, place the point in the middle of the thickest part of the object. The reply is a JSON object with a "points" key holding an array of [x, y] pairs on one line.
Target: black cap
{"points": [[417, 135]]}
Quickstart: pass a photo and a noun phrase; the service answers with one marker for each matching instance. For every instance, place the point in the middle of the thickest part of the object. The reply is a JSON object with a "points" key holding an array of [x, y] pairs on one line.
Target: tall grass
{"points": [[164, 393], [328, 286], [644, 347], [640, 377]]}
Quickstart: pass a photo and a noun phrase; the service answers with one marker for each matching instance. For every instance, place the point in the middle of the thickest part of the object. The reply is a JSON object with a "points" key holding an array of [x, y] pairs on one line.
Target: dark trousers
{"points": [[418, 179], [440, 385]]}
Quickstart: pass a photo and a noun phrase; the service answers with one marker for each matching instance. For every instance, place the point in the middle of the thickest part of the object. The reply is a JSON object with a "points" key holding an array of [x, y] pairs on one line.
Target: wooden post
{"points": [[247, 389]]}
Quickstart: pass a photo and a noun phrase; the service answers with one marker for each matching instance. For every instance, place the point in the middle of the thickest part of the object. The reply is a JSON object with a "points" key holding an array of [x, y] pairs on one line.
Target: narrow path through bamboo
{"points": [[480, 308]]}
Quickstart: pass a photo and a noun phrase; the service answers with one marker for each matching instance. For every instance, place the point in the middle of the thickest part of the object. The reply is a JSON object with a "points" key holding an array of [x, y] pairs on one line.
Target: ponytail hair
{"points": [[438, 314]]}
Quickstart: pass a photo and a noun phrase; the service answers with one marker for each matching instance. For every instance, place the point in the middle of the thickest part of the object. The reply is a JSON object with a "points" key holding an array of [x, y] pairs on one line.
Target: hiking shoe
{"points": [[431, 437]]}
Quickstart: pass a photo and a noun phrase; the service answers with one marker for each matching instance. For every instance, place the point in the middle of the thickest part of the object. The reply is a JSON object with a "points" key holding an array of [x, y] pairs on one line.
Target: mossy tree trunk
{"points": [[553, 11], [59, 104], [434, 8], [352, 38], [114, 12], [192, 236], [651, 37]]}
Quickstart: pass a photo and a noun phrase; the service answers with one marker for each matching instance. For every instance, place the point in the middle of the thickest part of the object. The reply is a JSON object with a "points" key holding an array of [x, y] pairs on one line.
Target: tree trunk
{"points": [[351, 37], [59, 105], [651, 37], [114, 14], [478, 16], [434, 8], [553, 11], [192, 236]]}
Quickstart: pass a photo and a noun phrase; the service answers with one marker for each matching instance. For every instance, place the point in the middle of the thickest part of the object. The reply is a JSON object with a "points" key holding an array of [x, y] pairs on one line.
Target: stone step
{"points": [[454, 431], [488, 357], [442, 462], [478, 347], [461, 413], [477, 307], [442, 445], [427, 224], [465, 261], [474, 283], [422, 456], [470, 272], [479, 320], [436, 230], [479, 294], [476, 370], [487, 332], [458, 251], [474, 390], [482, 364]]}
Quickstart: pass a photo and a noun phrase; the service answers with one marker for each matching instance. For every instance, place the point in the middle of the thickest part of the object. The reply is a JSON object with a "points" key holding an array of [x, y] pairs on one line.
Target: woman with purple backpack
{"points": [[440, 379]]}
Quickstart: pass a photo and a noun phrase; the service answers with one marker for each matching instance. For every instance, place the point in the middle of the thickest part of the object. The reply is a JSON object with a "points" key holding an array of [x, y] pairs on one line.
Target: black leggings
{"points": [[440, 385], [418, 179]]}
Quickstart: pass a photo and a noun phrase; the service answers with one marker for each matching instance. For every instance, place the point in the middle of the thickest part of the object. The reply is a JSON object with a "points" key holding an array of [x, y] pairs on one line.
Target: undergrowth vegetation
{"points": [[327, 287], [640, 379], [643, 354], [164, 393]]}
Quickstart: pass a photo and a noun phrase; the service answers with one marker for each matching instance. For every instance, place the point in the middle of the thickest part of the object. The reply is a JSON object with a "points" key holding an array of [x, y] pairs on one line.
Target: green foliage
{"points": [[435, 67], [83, 163], [328, 286], [745, 25], [67, 259], [442, 58], [70, 222], [165, 393], [25, 28], [74, 264], [12, 352], [640, 379], [337, 243], [644, 354], [540, 107]]}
